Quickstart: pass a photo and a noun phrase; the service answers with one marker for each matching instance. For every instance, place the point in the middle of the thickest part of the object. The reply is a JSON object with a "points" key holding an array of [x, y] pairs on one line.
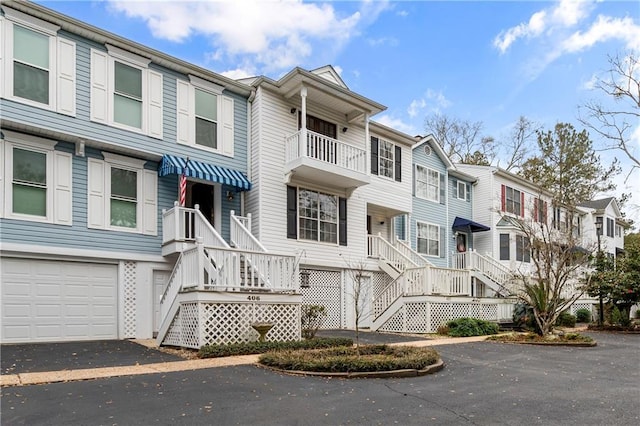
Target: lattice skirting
{"points": [[325, 289], [202, 323], [583, 305], [426, 317]]}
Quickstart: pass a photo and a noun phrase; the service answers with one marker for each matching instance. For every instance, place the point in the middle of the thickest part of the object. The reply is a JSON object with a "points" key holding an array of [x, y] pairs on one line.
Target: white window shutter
{"points": [[62, 182], [4, 175], [66, 101], [2, 70], [7, 57], [155, 104], [226, 119], [182, 107], [99, 86], [150, 203], [96, 195]]}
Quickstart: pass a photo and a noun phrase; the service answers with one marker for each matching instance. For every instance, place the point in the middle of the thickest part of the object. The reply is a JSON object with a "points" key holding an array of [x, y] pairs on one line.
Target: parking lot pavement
{"points": [[484, 383], [38, 357]]}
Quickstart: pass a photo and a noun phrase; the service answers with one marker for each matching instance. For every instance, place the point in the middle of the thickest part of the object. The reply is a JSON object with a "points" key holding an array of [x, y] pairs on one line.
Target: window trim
{"points": [[317, 219], [464, 192], [392, 159], [61, 69], [59, 178], [426, 183], [130, 164], [520, 241], [513, 201], [428, 224]]}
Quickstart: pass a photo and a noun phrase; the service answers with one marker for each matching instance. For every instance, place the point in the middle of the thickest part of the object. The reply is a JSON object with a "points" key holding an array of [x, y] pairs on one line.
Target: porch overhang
{"points": [[171, 164], [467, 225]]}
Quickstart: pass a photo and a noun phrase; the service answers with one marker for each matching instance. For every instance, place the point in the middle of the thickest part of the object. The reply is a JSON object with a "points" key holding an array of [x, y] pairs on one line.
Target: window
{"points": [[37, 180], [125, 92], [504, 247], [610, 226], [599, 222], [206, 119], [428, 239], [512, 200], [316, 216], [127, 95], [462, 191], [122, 195], [427, 184], [618, 231], [523, 249], [205, 116], [40, 67], [386, 159], [539, 210]]}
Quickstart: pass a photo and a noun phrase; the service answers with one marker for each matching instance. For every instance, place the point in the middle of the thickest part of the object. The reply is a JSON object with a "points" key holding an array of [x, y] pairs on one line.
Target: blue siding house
{"points": [[96, 131]]}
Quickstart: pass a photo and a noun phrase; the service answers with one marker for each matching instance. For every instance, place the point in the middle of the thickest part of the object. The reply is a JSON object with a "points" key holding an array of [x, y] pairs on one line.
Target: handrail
{"points": [[185, 224], [406, 249], [241, 236], [325, 149], [381, 248]]}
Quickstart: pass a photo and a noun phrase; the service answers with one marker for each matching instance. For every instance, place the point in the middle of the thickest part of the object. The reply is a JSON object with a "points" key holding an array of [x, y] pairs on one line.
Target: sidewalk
{"points": [[34, 378]]}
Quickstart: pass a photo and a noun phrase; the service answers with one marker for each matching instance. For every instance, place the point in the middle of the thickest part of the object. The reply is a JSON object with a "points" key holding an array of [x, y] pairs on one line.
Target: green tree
{"points": [[568, 166]]}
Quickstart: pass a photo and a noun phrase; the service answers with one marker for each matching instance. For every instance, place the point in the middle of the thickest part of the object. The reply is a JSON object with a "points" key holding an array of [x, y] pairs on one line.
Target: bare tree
{"points": [[516, 148], [559, 267], [461, 140], [617, 121], [358, 292]]}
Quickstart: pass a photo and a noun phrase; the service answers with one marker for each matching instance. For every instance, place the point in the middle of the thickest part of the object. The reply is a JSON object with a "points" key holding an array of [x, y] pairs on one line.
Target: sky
{"points": [[487, 61]]}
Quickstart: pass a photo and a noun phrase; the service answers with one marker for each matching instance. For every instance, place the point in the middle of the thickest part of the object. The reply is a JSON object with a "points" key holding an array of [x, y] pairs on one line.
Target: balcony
{"points": [[314, 157]]}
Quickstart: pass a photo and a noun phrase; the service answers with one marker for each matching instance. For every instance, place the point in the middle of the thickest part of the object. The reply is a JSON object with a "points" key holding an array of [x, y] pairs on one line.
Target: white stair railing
{"points": [[380, 248], [488, 266], [184, 224], [241, 236], [450, 282], [404, 248]]}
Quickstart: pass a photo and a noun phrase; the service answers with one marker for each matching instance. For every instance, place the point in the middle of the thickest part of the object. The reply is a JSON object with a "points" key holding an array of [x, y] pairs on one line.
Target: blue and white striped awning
{"points": [[177, 165]]}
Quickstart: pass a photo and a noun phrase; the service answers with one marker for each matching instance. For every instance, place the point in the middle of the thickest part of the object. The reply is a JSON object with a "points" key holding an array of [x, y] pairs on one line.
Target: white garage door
{"points": [[46, 301]]}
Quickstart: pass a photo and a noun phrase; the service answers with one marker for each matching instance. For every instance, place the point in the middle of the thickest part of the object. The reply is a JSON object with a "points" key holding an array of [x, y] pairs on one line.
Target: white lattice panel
{"points": [[577, 306], [395, 324], [441, 313], [416, 314], [129, 290], [199, 324], [325, 289], [380, 281]]}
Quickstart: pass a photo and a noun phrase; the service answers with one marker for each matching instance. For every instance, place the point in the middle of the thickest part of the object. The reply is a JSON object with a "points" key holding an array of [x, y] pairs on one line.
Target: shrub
{"points": [[637, 314], [349, 359], [523, 318], [312, 317], [565, 319], [465, 327], [620, 317], [249, 348], [583, 315], [443, 330]]}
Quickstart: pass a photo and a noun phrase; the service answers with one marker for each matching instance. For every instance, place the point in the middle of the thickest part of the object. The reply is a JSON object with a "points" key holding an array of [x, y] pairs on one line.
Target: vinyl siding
{"points": [[460, 208]]}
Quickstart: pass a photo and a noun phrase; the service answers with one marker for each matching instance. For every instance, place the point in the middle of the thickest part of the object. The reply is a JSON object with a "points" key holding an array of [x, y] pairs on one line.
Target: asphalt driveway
{"points": [[484, 383]]}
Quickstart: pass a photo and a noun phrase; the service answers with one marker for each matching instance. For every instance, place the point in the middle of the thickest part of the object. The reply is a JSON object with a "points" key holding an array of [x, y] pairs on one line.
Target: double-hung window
{"points": [[512, 201], [427, 184], [37, 180], [462, 190], [122, 195], [523, 249], [610, 227], [39, 67], [205, 116], [386, 159], [318, 215], [428, 239], [125, 92]]}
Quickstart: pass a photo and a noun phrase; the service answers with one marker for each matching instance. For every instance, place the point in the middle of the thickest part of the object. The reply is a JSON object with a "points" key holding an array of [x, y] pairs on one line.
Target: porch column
{"points": [[303, 122], [367, 144]]}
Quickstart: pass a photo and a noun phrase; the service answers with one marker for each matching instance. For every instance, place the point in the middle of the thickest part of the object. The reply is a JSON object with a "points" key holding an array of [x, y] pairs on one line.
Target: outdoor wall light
{"points": [[293, 110], [344, 129], [229, 195]]}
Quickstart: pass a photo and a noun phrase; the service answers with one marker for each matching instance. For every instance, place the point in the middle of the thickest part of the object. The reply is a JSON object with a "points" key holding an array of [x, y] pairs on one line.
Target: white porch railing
{"points": [[241, 236], [325, 149], [380, 248], [450, 282], [184, 224]]}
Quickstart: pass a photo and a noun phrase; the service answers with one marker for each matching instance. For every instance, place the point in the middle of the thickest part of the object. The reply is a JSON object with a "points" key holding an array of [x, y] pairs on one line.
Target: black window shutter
{"points": [[292, 212], [454, 190], [398, 161], [342, 221], [442, 190], [442, 247], [374, 155]]}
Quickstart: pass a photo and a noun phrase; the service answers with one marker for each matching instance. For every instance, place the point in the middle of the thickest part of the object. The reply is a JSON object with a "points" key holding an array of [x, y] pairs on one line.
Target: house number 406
{"points": [[253, 297]]}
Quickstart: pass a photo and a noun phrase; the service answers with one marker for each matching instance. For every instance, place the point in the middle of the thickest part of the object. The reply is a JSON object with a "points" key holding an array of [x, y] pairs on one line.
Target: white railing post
{"points": [[303, 123], [200, 263], [249, 221]]}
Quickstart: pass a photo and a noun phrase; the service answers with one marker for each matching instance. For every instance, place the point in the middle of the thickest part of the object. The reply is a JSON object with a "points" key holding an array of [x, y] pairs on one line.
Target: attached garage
{"points": [[46, 301]]}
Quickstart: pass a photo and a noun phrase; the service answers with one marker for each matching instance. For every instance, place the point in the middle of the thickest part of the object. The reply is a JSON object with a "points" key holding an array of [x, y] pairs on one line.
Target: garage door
{"points": [[45, 301]]}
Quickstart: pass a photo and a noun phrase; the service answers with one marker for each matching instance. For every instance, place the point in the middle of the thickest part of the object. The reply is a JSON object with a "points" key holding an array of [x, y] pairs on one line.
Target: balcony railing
{"points": [[325, 149]]}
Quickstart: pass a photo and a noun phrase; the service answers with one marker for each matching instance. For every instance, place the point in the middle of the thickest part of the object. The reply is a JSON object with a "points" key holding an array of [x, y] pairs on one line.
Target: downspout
{"points": [[250, 99], [447, 201]]}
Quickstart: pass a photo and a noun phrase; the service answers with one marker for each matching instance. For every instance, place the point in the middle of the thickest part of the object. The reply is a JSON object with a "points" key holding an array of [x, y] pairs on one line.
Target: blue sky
{"points": [[478, 61]]}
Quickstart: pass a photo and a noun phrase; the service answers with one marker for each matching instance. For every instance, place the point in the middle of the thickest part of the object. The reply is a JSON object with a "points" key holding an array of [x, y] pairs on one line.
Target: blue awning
{"points": [[177, 165], [466, 225]]}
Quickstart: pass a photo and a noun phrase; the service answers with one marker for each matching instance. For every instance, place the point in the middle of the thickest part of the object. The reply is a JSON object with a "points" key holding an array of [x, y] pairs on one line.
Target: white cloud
{"points": [[562, 15], [375, 42], [603, 29], [402, 13], [279, 34], [239, 73], [397, 123], [432, 101]]}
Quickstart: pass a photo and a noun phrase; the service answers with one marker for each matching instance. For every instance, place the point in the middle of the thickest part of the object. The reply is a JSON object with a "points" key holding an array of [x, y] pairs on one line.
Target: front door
{"points": [[461, 243], [202, 195]]}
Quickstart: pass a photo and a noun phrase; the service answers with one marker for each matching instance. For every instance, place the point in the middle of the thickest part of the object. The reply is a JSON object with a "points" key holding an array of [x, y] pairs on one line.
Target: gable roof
{"points": [[329, 73], [597, 204]]}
